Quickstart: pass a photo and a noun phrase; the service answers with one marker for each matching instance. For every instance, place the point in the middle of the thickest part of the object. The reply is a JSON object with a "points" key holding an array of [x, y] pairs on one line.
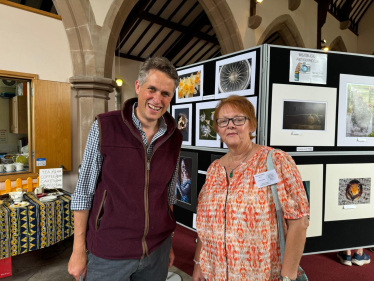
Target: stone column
{"points": [[93, 96]]}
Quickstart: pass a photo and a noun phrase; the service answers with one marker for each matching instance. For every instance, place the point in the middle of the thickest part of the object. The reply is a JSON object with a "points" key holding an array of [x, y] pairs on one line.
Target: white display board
{"points": [[314, 174], [335, 173], [355, 119], [281, 135]]}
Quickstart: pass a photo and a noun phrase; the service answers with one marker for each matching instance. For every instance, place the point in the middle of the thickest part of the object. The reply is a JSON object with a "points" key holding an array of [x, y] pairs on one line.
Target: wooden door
{"points": [[51, 124]]}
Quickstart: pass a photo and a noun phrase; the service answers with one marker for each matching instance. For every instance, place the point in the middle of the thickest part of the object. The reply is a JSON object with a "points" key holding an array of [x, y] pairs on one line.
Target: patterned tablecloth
{"points": [[35, 226]]}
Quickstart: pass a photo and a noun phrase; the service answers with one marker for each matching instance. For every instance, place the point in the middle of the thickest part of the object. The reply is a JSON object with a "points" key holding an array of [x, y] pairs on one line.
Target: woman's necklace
{"points": [[231, 173]]}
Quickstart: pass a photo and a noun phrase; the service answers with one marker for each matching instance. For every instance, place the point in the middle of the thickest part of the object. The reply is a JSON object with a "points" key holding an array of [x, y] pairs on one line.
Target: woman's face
{"points": [[234, 135]]}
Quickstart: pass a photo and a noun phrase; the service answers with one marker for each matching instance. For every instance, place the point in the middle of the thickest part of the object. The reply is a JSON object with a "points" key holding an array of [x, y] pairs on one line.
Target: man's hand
{"points": [[197, 275], [78, 265], [171, 257]]}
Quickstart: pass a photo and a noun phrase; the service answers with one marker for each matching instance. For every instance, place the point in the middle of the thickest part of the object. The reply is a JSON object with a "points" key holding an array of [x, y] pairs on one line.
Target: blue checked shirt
{"points": [[93, 160]]}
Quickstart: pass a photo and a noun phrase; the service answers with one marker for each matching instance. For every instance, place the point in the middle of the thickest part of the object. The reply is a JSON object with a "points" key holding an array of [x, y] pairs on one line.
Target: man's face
{"points": [[154, 96]]}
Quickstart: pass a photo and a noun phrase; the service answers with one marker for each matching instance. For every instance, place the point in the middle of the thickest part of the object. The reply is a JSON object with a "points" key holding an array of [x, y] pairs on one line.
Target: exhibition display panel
{"points": [[316, 106]]}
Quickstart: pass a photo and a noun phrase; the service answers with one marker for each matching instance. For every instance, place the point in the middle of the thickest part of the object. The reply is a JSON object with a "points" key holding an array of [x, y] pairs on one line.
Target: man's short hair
{"points": [[158, 63]]}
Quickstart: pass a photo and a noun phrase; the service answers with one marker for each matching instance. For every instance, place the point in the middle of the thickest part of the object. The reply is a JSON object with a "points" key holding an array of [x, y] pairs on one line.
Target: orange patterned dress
{"points": [[237, 223]]}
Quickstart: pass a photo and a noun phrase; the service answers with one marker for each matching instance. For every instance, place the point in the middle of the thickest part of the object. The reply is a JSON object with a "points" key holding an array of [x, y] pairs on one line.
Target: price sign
{"points": [[50, 178]]}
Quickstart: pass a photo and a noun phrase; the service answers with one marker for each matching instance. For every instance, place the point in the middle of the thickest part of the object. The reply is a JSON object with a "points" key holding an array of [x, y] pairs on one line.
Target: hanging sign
{"points": [[50, 178], [308, 67]]}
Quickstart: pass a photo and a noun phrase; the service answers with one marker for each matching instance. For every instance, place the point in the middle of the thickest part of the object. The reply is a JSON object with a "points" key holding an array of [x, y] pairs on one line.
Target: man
{"points": [[130, 165]]}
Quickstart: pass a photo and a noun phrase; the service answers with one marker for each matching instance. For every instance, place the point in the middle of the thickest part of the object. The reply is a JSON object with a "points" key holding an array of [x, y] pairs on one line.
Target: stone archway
{"points": [[287, 28], [93, 47], [338, 45], [224, 24]]}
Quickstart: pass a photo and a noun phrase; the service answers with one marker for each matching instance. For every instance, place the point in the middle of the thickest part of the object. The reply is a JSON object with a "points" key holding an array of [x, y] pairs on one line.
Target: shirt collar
{"points": [[161, 121]]}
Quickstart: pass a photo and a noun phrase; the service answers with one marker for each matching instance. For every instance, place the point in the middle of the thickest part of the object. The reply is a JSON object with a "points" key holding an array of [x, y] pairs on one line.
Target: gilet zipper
{"points": [[146, 186]]}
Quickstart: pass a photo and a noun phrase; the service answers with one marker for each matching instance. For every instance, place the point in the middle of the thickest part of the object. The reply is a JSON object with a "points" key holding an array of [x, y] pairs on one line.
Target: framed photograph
{"points": [[303, 115], [183, 116], [236, 76], [205, 135], [356, 111], [186, 187], [348, 192], [354, 191], [252, 100], [191, 85], [312, 177]]}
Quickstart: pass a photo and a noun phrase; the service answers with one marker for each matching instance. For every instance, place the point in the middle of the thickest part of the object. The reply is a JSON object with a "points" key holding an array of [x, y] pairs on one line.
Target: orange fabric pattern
{"points": [[237, 224]]}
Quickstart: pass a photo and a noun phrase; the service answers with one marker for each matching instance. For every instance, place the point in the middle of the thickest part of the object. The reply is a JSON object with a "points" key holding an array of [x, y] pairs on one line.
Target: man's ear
{"points": [[137, 87]]}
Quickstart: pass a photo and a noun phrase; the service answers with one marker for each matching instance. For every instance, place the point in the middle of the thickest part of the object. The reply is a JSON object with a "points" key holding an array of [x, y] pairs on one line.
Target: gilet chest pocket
{"points": [[100, 214]]}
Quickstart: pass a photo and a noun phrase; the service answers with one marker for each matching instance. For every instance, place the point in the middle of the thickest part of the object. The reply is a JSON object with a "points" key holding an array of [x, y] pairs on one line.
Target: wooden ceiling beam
{"points": [[345, 10], [175, 26], [367, 7], [187, 51], [161, 28], [148, 27], [205, 53], [172, 31], [358, 11], [130, 57], [194, 54], [215, 54], [132, 18], [186, 37]]}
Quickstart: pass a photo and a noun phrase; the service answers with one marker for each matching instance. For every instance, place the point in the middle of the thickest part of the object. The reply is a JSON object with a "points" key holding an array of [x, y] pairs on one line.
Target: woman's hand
{"points": [[197, 274]]}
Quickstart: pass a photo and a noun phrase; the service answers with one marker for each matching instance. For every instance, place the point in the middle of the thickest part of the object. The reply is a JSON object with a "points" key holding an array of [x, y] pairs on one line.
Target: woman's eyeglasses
{"points": [[237, 121]]}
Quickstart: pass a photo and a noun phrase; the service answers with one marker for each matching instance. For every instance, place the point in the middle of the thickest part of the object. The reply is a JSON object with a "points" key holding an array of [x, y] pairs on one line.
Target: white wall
{"points": [[36, 44], [331, 30], [33, 43], [366, 33], [305, 18]]}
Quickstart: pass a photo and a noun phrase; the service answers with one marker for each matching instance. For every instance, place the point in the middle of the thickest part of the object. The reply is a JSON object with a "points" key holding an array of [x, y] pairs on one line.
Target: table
{"points": [[36, 226]]}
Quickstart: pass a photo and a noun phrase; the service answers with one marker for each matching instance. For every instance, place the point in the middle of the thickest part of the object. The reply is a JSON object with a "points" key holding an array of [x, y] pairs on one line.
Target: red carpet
{"points": [[184, 248], [321, 267]]}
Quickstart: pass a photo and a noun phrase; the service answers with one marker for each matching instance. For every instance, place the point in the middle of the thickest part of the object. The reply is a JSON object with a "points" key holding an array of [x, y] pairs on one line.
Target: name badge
{"points": [[266, 178]]}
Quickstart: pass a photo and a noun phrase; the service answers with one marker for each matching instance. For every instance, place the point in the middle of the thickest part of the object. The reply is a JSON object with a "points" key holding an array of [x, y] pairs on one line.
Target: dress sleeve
{"points": [[291, 192]]}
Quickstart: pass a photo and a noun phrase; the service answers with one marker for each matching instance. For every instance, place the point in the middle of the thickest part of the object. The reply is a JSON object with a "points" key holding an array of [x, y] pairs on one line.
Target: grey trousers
{"points": [[154, 267]]}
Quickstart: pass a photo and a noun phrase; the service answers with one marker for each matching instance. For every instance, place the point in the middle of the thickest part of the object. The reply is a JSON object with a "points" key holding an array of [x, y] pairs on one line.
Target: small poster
{"points": [[40, 162], [308, 67], [3, 136], [50, 178]]}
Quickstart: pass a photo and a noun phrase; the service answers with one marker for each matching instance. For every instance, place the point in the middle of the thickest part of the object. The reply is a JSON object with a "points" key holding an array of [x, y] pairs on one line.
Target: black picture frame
{"points": [[191, 168]]}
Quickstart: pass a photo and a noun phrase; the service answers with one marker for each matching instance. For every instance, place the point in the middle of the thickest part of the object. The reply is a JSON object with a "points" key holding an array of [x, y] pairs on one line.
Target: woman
{"points": [[236, 220]]}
